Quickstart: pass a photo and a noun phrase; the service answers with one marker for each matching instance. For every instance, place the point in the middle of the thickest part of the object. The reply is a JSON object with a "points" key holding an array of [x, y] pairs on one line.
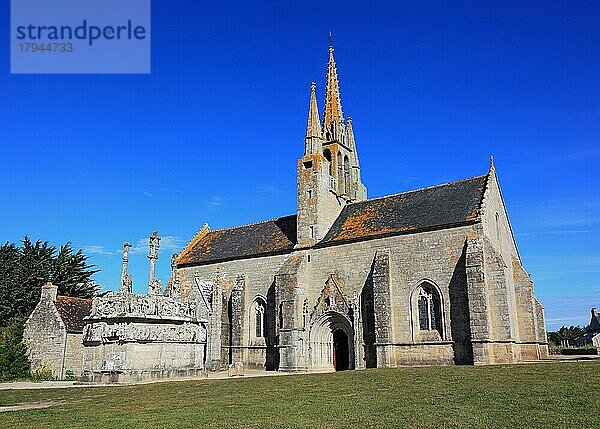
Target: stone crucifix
{"points": [[154, 285], [125, 276]]}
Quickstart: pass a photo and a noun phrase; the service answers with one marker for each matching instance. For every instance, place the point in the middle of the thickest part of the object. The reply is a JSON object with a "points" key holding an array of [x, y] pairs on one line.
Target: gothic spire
{"points": [[312, 142], [351, 141], [333, 104]]}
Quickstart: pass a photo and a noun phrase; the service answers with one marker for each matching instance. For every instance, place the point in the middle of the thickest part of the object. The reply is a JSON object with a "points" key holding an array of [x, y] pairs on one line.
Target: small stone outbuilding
{"points": [[54, 331], [592, 336]]}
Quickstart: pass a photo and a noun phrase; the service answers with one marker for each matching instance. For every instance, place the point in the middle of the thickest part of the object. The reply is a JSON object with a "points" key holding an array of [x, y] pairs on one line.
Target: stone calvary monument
{"points": [[131, 336]]}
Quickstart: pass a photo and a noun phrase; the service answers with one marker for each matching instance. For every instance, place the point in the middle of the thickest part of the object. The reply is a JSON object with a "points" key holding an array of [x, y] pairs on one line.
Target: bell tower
{"points": [[329, 172]]}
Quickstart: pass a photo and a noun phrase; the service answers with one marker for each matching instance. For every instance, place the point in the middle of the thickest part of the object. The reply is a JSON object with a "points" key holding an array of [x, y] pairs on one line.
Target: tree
{"points": [[14, 364], [23, 271], [566, 334]]}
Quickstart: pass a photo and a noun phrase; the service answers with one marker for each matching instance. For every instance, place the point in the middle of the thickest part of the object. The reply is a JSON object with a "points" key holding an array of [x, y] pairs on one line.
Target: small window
{"points": [[309, 193], [259, 318], [308, 164], [281, 315], [308, 258], [312, 231], [497, 226]]}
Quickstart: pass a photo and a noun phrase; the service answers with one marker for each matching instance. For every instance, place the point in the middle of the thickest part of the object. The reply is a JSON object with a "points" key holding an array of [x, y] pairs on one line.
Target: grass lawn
{"points": [[515, 396]]}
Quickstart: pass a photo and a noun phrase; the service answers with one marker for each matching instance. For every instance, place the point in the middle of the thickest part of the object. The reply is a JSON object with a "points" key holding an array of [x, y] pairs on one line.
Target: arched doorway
{"points": [[341, 356], [331, 343]]}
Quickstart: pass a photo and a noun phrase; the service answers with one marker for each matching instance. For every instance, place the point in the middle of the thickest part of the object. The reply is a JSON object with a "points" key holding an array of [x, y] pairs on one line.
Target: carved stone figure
{"points": [[154, 286], [126, 281]]}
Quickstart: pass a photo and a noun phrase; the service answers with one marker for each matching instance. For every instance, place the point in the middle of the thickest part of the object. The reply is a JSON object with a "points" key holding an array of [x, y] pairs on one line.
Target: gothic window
{"points": [[327, 155], [346, 175], [258, 313], [429, 309]]}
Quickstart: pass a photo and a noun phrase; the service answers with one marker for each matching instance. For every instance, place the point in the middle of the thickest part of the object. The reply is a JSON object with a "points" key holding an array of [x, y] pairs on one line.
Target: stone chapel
{"points": [[430, 276]]}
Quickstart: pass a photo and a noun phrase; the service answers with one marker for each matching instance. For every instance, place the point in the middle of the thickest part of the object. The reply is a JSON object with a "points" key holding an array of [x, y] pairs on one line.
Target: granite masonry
{"points": [[54, 330], [431, 276]]}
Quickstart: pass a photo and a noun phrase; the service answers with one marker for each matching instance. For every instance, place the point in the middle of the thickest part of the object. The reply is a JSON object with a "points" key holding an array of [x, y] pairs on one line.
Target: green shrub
{"points": [[14, 364], [585, 350], [43, 374], [70, 376]]}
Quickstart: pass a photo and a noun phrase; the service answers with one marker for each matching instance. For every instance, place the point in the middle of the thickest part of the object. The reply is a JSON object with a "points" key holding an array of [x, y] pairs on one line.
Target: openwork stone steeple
{"points": [[333, 119]]}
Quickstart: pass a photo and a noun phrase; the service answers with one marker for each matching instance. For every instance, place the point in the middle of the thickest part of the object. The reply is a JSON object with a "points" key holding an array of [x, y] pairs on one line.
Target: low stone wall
{"points": [[142, 361], [142, 375]]}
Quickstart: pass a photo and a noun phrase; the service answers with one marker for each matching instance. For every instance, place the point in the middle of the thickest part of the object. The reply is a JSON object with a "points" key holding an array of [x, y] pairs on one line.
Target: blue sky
{"points": [[214, 132]]}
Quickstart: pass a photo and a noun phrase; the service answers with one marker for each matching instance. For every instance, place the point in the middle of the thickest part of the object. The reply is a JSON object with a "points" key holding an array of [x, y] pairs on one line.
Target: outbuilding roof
{"points": [[72, 311]]}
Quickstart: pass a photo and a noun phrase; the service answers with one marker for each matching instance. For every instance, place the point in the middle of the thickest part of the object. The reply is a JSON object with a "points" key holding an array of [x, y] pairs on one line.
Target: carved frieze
{"points": [[127, 306], [106, 332]]}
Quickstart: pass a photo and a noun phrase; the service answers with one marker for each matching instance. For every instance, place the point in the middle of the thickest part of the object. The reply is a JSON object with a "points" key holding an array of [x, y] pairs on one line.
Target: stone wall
{"points": [[434, 256], [484, 312], [125, 362], [45, 335], [74, 353]]}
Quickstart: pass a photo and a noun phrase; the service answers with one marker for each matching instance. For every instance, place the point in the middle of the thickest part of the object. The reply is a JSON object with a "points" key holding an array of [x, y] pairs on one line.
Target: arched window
{"points": [[327, 155], [429, 309], [258, 318]]}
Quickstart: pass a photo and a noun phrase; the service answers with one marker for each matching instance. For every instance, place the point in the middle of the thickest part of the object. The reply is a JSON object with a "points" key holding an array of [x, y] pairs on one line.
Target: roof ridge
{"points": [[420, 189], [73, 297], [253, 223]]}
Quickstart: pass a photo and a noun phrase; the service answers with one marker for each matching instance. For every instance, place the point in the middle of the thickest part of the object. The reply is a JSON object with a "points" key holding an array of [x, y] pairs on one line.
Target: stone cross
{"points": [[153, 283], [125, 276]]}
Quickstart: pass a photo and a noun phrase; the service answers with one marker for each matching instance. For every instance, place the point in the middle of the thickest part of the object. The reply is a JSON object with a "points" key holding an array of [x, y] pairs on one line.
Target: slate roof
{"points": [[72, 311], [442, 206], [446, 205], [272, 236]]}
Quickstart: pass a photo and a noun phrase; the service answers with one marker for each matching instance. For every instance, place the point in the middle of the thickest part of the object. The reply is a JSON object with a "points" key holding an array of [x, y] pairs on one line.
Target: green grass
{"points": [[513, 396]]}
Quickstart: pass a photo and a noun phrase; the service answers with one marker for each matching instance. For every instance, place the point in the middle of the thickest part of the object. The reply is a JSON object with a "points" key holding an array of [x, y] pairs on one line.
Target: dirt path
{"points": [[27, 406]]}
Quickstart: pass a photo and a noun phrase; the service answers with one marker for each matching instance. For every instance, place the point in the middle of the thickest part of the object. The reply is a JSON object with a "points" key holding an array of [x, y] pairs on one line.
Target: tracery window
{"points": [[429, 309]]}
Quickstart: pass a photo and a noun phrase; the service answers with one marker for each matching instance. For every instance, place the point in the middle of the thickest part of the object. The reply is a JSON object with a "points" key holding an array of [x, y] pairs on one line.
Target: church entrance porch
{"points": [[331, 343]]}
